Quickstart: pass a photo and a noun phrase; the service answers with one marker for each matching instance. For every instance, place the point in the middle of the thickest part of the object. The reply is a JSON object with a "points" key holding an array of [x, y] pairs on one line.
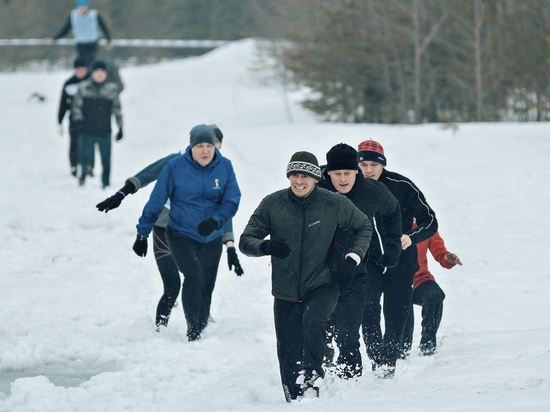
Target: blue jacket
{"points": [[196, 193]]}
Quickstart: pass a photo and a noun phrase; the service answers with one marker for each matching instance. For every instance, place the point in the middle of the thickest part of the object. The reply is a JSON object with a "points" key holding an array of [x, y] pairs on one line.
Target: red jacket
{"points": [[436, 245]]}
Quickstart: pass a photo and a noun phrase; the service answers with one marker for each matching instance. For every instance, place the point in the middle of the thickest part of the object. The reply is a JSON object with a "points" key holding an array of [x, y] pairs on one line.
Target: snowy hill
{"points": [[77, 305]]}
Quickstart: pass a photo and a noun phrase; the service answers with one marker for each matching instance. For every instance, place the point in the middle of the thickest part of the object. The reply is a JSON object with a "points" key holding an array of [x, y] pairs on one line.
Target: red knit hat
{"points": [[371, 150]]}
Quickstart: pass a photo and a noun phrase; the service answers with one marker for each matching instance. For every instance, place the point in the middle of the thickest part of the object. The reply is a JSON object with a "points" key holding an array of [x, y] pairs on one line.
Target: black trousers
{"points": [[396, 286], [87, 51], [168, 272], [73, 149], [198, 262], [300, 331], [429, 296], [344, 327]]}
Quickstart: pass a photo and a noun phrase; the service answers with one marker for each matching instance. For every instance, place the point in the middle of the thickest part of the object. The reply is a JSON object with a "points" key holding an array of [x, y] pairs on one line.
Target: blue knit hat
{"points": [[201, 133], [82, 3]]}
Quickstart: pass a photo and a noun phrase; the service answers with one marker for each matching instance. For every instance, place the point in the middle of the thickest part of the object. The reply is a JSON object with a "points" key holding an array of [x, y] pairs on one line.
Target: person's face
{"points": [[371, 169], [301, 184], [82, 9], [80, 72], [343, 180], [203, 153], [99, 75]]}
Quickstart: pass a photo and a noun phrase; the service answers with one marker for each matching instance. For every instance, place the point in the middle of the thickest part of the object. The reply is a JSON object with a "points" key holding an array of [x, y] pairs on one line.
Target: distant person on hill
{"points": [[204, 196], [95, 102], [70, 88], [85, 24], [428, 294], [163, 257]]}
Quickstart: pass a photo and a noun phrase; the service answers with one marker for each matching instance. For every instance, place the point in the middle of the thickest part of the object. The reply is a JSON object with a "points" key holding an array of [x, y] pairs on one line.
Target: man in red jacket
{"points": [[428, 294]]}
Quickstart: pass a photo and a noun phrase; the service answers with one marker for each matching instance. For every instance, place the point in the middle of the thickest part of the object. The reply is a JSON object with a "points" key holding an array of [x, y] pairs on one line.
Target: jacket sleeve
{"points": [[117, 110], [160, 194], [256, 230], [425, 218], [390, 225], [104, 27], [227, 233], [150, 173], [77, 104], [64, 30], [437, 248], [352, 219], [63, 106], [230, 200]]}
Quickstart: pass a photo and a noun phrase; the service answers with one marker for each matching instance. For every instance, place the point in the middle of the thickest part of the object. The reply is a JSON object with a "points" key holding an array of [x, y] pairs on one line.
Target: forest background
{"points": [[362, 61]]}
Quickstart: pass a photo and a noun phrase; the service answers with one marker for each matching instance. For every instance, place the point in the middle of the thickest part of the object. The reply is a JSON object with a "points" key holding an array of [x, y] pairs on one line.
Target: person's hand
{"points": [[346, 273], [405, 241], [109, 46], [387, 261], [48, 41], [140, 245], [275, 247], [208, 226], [60, 130], [111, 202], [119, 135], [452, 259], [233, 260]]}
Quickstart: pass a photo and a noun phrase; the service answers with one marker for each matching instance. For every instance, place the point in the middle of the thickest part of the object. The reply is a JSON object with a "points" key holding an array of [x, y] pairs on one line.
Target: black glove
{"points": [[275, 247], [208, 226], [140, 245], [387, 261], [233, 261], [346, 273], [119, 135], [114, 201]]}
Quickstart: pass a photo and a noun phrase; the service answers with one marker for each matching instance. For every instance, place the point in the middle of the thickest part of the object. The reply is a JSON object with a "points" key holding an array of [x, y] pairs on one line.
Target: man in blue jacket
{"points": [[204, 196]]}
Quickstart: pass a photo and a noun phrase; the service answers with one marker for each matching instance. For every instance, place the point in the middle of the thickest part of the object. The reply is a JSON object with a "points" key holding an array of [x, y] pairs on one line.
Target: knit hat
{"points": [[218, 132], [304, 163], [99, 65], [79, 62], [342, 157], [371, 150], [82, 3], [201, 133]]}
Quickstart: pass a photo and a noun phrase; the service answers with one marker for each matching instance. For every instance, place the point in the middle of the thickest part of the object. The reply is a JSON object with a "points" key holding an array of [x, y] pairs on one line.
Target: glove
{"points": [[140, 245], [60, 130], [233, 261], [114, 201], [346, 273], [387, 261], [275, 247], [208, 226], [119, 135]]}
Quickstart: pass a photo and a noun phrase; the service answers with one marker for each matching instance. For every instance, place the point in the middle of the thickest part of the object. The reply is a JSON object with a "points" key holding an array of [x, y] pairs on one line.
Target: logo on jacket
{"points": [[216, 184]]}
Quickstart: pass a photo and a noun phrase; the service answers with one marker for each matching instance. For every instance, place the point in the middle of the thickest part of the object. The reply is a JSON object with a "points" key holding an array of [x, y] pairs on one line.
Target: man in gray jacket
{"points": [[301, 222]]}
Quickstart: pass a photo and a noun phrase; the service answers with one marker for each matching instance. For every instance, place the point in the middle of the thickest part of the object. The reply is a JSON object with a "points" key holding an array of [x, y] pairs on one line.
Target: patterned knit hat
{"points": [[371, 150], [342, 157], [304, 163]]}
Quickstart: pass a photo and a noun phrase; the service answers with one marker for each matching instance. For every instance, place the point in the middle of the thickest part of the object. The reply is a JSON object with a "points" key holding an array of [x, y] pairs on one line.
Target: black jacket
{"points": [[307, 225], [413, 206], [70, 88], [382, 208]]}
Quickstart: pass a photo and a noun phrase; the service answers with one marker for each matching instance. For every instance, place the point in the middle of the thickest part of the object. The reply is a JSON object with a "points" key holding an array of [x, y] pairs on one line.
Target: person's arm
{"points": [[424, 215], [63, 106], [160, 194], [230, 200], [64, 30], [352, 219], [391, 228], [255, 231], [440, 253], [104, 28]]}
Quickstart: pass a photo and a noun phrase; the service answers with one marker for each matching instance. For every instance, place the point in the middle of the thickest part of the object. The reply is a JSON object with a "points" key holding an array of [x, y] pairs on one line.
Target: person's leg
{"points": [[348, 316], [73, 150], [184, 253], [430, 296], [288, 324], [104, 143], [371, 327], [87, 51], [169, 274], [406, 344], [318, 308], [85, 151], [397, 305], [210, 254]]}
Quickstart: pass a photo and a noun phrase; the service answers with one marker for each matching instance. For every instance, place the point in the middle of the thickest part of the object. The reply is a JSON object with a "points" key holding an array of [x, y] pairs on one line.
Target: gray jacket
{"points": [[307, 225]]}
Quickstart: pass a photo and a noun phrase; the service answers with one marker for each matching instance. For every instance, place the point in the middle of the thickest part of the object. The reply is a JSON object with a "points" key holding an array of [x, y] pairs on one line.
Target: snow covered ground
{"points": [[77, 305]]}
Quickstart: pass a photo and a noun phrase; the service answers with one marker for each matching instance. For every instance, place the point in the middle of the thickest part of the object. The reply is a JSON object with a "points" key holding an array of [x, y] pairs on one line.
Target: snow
{"points": [[77, 305]]}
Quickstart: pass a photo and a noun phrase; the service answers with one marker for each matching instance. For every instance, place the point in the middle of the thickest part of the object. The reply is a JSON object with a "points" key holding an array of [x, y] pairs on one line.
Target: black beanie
{"points": [[342, 157], [201, 134], [304, 163], [218, 132], [99, 65], [79, 62]]}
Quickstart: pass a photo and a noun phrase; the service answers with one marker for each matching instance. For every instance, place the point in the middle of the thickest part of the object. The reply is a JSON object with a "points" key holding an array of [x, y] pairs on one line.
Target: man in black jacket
{"points": [[69, 90], [395, 283], [301, 222], [374, 199], [93, 105]]}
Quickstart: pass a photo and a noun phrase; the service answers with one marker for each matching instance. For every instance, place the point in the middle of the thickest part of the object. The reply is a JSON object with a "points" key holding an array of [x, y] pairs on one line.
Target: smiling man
{"points": [[301, 222]]}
